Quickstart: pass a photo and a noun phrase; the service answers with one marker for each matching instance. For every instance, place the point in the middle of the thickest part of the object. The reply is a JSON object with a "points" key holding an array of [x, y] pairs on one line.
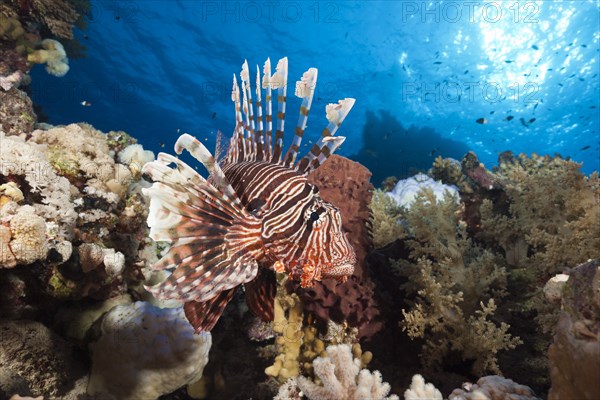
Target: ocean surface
{"points": [[429, 78]]}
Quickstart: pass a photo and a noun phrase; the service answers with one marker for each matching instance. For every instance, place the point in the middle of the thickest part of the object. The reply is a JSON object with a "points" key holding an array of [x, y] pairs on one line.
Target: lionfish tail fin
{"points": [[213, 239], [328, 143]]}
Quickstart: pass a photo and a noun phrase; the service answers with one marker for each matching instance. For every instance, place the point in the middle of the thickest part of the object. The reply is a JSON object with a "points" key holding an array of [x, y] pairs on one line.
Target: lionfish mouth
{"points": [[343, 269]]}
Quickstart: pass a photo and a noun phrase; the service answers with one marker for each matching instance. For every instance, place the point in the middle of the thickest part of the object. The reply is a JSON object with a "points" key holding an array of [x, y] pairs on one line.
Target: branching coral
{"points": [[385, 219], [553, 219], [341, 378], [453, 279], [419, 390]]}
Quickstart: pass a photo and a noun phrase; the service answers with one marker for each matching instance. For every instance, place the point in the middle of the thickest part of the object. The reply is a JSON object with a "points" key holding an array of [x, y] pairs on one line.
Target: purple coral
{"points": [[351, 302]]}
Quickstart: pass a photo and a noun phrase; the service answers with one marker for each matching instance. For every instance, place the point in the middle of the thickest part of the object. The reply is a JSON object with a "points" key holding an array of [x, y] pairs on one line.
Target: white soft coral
{"points": [[342, 379]]}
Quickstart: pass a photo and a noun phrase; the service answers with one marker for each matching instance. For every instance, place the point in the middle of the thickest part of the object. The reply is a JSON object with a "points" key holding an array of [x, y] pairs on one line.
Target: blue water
{"points": [[421, 73]]}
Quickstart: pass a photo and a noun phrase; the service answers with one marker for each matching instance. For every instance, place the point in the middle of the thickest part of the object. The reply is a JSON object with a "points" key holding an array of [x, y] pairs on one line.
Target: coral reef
{"points": [[575, 351], [341, 378], [144, 352]]}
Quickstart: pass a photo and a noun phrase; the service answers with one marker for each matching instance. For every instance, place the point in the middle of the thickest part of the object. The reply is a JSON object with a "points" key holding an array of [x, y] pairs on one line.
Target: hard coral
{"points": [[144, 352]]}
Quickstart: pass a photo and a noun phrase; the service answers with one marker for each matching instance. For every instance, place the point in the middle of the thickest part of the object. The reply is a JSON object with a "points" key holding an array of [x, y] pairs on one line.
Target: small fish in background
{"points": [[584, 148], [492, 112], [161, 144], [213, 115], [509, 118], [481, 121], [432, 152], [508, 61], [532, 120], [535, 47], [523, 122], [255, 214], [86, 103], [437, 62]]}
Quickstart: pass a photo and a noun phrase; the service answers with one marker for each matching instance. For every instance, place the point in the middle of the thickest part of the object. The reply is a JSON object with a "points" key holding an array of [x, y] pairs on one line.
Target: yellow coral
{"points": [[53, 55], [287, 323]]}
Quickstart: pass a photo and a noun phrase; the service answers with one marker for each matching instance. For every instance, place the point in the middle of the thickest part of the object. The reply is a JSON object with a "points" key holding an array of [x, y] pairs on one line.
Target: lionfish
{"points": [[256, 213]]}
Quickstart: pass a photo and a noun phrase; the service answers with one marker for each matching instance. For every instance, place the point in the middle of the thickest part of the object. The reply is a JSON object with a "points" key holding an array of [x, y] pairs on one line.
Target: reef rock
{"points": [[34, 356], [145, 352], [575, 354]]}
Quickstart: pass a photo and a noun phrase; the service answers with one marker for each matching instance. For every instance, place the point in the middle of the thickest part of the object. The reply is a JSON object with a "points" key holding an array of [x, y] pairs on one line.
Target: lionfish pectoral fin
{"points": [[212, 236], [260, 294], [203, 316]]}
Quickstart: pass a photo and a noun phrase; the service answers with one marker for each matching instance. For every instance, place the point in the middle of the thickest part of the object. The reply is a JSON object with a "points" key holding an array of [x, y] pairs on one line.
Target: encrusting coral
{"points": [[341, 378]]}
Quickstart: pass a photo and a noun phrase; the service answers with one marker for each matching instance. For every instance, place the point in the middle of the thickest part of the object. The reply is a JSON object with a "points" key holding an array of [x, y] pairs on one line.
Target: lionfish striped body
{"points": [[255, 214]]}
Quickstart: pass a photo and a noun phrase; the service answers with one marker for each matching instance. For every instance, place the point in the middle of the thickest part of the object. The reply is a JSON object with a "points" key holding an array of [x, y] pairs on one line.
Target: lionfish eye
{"points": [[315, 189], [314, 216]]}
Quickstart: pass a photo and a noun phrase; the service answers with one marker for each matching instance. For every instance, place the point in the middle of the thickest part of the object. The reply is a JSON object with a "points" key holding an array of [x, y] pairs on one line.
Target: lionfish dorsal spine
{"points": [[266, 84], [279, 82], [328, 143], [248, 108], [305, 89], [253, 141], [260, 140]]}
